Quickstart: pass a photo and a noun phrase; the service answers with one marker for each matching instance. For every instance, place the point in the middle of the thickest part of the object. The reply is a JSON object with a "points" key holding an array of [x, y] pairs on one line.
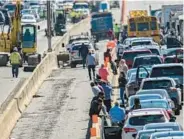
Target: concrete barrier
{"points": [[95, 130], [21, 99]]}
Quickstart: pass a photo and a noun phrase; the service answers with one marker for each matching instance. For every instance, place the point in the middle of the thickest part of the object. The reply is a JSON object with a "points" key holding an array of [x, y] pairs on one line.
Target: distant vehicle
{"points": [[129, 55], [142, 98], [27, 11], [161, 92], [75, 58], [164, 83], [104, 6], [158, 103], [172, 51], [145, 134], [155, 50], [172, 125], [81, 7], [174, 71], [11, 7], [136, 120], [100, 24], [28, 18], [149, 60], [7, 16], [131, 84], [134, 70], [167, 134]]}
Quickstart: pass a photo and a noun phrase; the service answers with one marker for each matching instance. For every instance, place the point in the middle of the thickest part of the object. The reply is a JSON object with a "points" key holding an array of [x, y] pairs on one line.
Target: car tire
{"points": [[177, 112]]}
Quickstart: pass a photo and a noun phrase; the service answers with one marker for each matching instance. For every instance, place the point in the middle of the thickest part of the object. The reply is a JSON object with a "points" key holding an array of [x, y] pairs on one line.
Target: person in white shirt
{"points": [[96, 90], [123, 66]]}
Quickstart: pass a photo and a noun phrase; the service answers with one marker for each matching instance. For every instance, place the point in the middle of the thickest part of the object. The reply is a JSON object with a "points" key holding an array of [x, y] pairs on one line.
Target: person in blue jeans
{"points": [[122, 83]]}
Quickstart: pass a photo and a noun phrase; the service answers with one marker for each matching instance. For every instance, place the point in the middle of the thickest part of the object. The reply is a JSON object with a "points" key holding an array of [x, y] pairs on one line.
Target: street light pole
{"points": [[49, 36]]}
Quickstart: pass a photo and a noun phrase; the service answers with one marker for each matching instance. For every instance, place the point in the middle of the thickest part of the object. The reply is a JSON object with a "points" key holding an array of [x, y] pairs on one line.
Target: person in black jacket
{"points": [[122, 83], [83, 52]]}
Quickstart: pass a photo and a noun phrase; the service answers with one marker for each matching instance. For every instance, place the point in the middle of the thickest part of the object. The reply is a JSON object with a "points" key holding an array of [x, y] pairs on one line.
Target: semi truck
{"points": [[100, 24]]}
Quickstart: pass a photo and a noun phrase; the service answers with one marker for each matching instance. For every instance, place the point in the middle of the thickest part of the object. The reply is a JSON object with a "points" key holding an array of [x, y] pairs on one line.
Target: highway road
{"points": [[7, 83], [61, 108]]}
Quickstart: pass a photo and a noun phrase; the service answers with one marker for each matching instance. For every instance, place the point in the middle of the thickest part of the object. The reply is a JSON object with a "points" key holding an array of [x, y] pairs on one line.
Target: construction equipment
{"points": [[23, 37]]}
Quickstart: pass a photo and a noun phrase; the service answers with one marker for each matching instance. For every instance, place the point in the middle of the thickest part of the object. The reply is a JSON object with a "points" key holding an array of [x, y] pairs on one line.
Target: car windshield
{"points": [[174, 128], [167, 71], [78, 39], [155, 51], [146, 61], [155, 92], [131, 55], [157, 84], [146, 119], [143, 26], [141, 75], [141, 43], [80, 6], [10, 7], [28, 17], [145, 136], [77, 47], [154, 104], [145, 97]]}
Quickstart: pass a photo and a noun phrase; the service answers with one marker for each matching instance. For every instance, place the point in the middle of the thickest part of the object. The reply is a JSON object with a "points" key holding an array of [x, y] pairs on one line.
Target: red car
{"points": [[131, 54]]}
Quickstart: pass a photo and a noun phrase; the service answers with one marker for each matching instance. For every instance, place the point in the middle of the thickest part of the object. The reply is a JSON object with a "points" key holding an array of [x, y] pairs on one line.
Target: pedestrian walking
{"points": [[15, 60], [122, 83], [91, 63], [100, 96], [83, 52], [110, 34], [103, 72], [108, 93], [95, 89], [107, 57], [123, 66]]}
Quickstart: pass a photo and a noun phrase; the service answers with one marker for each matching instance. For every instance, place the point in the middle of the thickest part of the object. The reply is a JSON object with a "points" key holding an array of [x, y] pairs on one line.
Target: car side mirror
{"points": [[134, 135], [147, 76], [38, 27], [177, 86], [172, 119]]}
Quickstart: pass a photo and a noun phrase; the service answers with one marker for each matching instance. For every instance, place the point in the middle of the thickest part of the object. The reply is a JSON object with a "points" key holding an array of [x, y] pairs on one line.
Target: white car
{"points": [[136, 120], [28, 18]]}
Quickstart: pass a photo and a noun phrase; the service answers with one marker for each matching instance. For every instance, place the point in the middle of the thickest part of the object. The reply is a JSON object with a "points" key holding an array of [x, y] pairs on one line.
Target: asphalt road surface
{"points": [[61, 107], [7, 83]]}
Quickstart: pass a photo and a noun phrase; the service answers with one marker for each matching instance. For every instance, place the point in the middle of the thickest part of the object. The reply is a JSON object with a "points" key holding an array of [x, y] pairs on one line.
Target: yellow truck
{"points": [[140, 24]]}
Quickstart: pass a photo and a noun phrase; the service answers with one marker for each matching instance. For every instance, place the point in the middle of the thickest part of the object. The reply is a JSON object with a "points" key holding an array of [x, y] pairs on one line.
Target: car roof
{"points": [[135, 96], [146, 111], [153, 90], [145, 56], [154, 100], [157, 79], [168, 133], [131, 51], [154, 130], [139, 38], [153, 46], [28, 15], [162, 124], [168, 65]]}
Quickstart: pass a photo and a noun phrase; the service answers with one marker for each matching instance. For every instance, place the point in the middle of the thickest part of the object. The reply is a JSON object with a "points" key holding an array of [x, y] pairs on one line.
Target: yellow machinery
{"points": [[21, 36]]}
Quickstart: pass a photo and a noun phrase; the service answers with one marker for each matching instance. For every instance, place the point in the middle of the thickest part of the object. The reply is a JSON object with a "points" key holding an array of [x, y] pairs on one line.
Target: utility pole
{"points": [[49, 36]]}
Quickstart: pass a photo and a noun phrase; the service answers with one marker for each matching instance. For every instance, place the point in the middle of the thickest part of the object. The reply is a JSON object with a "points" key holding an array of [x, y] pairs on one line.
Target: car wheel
{"points": [[177, 112]]}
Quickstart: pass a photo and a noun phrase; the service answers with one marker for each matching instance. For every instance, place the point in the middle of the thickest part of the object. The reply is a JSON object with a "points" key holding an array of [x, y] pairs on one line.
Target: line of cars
{"points": [[158, 84]]}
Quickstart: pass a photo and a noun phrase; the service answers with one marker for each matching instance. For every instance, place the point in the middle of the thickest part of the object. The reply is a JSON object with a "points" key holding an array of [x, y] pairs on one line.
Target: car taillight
{"points": [[129, 130], [169, 113], [72, 53]]}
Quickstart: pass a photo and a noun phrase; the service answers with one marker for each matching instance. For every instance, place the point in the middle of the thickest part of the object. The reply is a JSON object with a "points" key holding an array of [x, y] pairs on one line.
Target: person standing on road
{"points": [[107, 92], [122, 83], [117, 114], [15, 60], [96, 90], [83, 52], [91, 63], [116, 31], [100, 96], [123, 66], [103, 73]]}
